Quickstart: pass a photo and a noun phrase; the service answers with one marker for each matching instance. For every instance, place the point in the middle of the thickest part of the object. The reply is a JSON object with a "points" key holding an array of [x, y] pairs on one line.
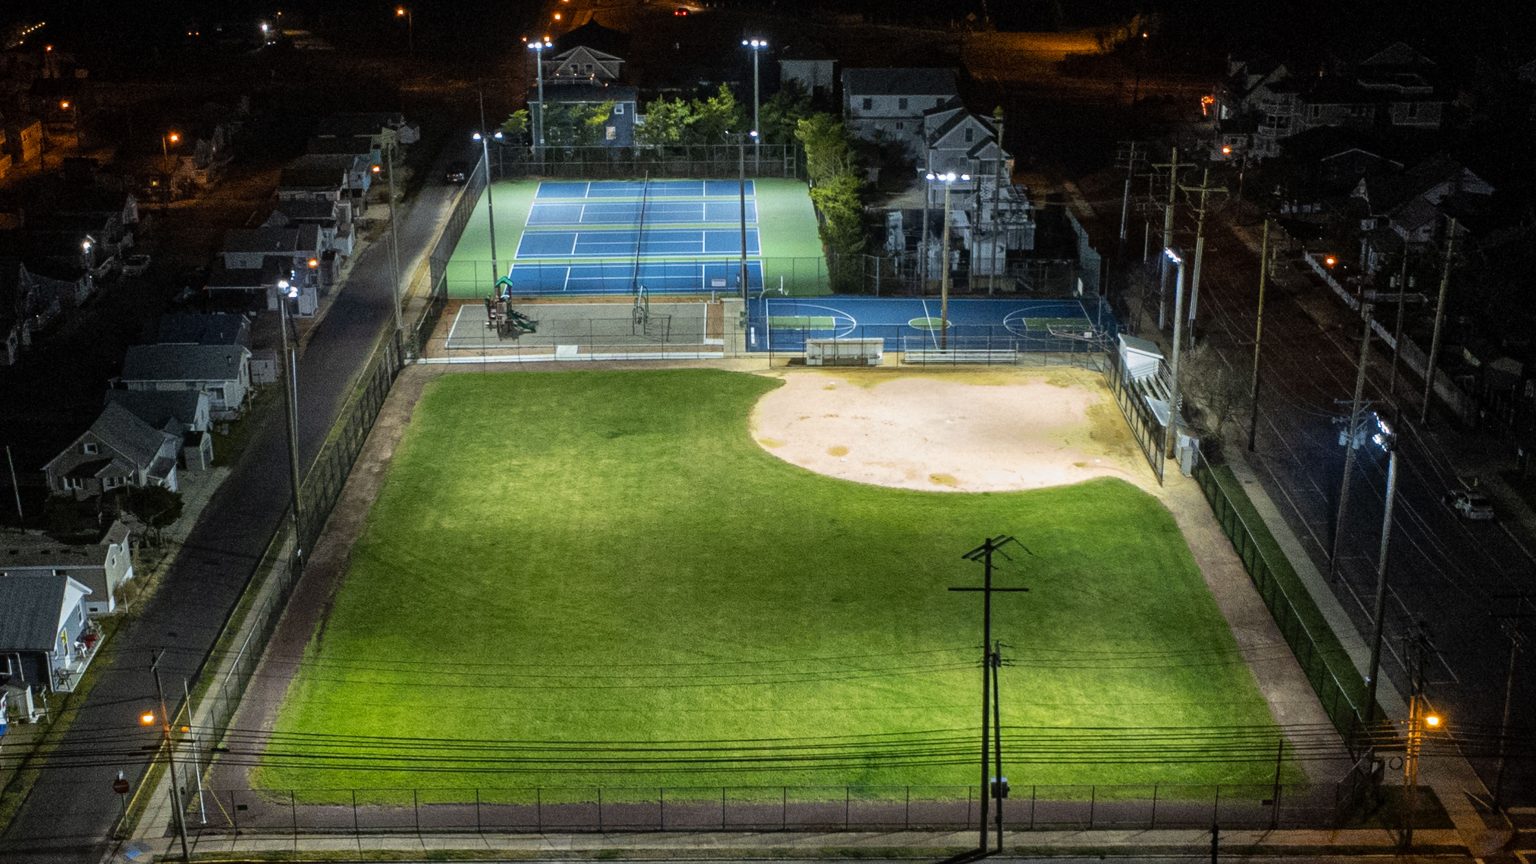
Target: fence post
{"points": [[416, 809], [538, 808], [847, 805], [479, 828], [722, 808], [1153, 826], [293, 813], [784, 811], [1216, 806], [356, 831], [906, 821], [1093, 803], [661, 799], [599, 808], [1033, 790], [969, 794]]}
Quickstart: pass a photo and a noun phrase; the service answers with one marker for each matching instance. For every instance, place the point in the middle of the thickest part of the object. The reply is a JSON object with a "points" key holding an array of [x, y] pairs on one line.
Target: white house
{"points": [[100, 566], [583, 64], [221, 371], [811, 66], [46, 641], [889, 104]]}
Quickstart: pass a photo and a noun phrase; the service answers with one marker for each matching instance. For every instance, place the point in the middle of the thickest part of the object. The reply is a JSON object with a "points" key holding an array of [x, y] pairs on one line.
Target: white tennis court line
{"points": [[931, 334]]}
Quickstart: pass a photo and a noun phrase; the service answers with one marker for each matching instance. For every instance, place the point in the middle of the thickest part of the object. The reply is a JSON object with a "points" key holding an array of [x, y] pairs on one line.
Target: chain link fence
{"points": [[718, 161]]}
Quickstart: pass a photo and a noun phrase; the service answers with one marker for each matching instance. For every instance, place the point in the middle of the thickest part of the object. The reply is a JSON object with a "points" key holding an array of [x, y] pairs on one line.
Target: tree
{"points": [[576, 124], [709, 119], [515, 128], [783, 112], [154, 506], [666, 122], [828, 147], [1212, 387]]}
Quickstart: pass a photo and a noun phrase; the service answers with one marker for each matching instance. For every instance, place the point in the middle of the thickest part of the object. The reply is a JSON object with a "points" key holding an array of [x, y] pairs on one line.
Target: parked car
{"points": [[1472, 506], [135, 265], [458, 172]]}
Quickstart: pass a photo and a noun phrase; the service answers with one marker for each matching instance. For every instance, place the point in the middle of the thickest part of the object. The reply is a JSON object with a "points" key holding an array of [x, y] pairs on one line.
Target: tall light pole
{"points": [[756, 46], [394, 236], [741, 188], [948, 179], [1387, 440], [166, 140], [288, 289], [410, 27], [1175, 256], [148, 719], [537, 46], [490, 208]]}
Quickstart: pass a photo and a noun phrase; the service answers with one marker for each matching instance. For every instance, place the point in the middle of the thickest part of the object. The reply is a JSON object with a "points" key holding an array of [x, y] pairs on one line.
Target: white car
{"points": [[135, 265], [1473, 506]]}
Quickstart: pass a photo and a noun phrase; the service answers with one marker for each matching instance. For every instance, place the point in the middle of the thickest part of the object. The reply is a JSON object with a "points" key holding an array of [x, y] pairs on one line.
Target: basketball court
{"points": [[915, 323]]}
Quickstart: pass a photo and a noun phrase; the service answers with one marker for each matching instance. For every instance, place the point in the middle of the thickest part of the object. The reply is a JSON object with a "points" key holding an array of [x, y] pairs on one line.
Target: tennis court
{"points": [[914, 323], [615, 236]]}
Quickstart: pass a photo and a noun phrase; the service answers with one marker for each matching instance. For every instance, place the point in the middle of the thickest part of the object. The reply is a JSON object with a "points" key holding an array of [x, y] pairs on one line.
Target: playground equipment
{"points": [[501, 317]]}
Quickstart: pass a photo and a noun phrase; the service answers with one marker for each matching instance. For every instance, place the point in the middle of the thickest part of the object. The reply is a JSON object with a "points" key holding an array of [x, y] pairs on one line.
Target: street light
{"points": [[410, 27], [490, 208], [1176, 256], [756, 46], [166, 141], [741, 188], [394, 236], [288, 289], [1386, 439], [148, 718], [948, 179], [537, 46]]}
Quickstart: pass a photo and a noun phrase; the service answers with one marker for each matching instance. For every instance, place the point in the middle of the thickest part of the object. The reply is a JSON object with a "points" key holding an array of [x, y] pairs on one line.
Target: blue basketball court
{"points": [[911, 323]]}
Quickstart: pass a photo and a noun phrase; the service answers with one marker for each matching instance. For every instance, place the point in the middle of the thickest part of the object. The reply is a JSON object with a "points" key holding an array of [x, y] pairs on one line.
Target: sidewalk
{"points": [[1450, 776]]}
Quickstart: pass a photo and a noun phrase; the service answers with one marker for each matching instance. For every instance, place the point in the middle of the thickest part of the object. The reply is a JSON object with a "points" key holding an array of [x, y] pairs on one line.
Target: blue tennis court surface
{"points": [[655, 243], [666, 212], [660, 277], [784, 323], [636, 188]]}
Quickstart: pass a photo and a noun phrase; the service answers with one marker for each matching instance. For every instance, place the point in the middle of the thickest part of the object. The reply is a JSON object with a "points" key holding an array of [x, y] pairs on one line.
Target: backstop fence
{"points": [[293, 812], [718, 161]]}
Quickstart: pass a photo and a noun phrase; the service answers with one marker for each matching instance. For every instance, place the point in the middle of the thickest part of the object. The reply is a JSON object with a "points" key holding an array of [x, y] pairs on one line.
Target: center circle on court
{"points": [[929, 322]]}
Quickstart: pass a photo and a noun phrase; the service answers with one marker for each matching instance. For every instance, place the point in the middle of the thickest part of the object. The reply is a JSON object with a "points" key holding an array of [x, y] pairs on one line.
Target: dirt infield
{"points": [[993, 430]]}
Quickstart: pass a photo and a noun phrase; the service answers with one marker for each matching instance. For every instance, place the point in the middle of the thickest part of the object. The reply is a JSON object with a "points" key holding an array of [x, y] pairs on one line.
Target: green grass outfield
{"points": [[561, 561], [786, 223]]}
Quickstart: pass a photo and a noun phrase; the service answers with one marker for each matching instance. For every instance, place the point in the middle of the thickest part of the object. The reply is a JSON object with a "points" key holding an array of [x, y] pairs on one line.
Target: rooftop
{"points": [[29, 610], [900, 81], [183, 363]]}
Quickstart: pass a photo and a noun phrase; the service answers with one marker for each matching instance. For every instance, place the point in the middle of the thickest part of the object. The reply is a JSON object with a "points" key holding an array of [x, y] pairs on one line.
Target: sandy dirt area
{"points": [[963, 431]]}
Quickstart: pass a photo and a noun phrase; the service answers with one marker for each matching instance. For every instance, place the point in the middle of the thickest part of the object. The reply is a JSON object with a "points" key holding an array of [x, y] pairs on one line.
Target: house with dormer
{"points": [[102, 566], [223, 372], [117, 451]]}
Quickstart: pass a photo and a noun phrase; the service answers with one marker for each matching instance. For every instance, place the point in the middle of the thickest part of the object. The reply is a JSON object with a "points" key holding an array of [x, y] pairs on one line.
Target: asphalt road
{"points": [[1443, 571], [71, 811]]}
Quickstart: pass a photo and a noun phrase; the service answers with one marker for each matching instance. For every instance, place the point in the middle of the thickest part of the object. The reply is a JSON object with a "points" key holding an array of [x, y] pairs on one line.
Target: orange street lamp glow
{"points": [[147, 718], [174, 138], [399, 11], [64, 103], [375, 169], [1330, 260], [558, 16], [1226, 149], [313, 263], [1432, 721]]}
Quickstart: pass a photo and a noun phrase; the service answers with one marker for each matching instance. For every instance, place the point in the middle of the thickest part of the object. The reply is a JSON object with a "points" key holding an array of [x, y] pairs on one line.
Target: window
{"points": [[111, 482], [611, 133], [900, 126], [868, 103], [73, 483], [89, 448], [216, 395], [618, 108], [1413, 110], [969, 135], [902, 103]]}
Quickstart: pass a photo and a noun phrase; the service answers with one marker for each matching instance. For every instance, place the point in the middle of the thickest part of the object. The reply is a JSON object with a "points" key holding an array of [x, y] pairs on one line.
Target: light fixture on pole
{"points": [[538, 46], [166, 140], [394, 238], [288, 289], [1176, 256], [948, 179], [410, 27], [1386, 439], [148, 718], [756, 46], [741, 189], [490, 208]]}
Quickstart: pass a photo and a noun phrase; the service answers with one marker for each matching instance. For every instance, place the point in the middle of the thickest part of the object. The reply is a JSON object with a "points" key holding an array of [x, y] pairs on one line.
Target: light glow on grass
{"points": [[607, 556]]}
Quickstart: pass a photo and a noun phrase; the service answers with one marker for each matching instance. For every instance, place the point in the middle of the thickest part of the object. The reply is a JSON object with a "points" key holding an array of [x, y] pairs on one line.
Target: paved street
{"points": [[71, 811], [1444, 571]]}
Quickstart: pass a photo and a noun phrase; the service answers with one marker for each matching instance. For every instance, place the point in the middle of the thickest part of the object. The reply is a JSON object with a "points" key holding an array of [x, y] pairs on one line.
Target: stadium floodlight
{"points": [[1175, 255], [948, 178], [538, 46], [485, 154], [288, 289], [1387, 440]]}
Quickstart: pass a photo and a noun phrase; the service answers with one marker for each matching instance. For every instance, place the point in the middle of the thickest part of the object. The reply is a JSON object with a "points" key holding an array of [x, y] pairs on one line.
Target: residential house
{"points": [[46, 640], [27, 306], [322, 182], [119, 450], [811, 66], [583, 63], [385, 128], [187, 414], [1413, 208], [210, 328], [332, 218], [24, 139], [888, 105], [255, 259], [354, 169], [618, 128], [346, 145], [100, 567], [990, 215], [221, 371]]}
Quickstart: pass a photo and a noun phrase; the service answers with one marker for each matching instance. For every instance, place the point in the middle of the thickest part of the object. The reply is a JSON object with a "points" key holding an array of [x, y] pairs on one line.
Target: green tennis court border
{"points": [[789, 242]]}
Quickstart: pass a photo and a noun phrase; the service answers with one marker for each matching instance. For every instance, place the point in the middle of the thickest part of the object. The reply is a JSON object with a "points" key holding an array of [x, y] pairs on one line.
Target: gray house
{"points": [[183, 413], [221, 371], [211, 328], [100, 567], [46, 641], [618, 128], [119, 450]]}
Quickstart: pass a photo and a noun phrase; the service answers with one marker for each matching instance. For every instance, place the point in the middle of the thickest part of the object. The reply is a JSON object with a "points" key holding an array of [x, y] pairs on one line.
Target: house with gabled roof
{"points": [[102, 566], [186, 414], [117, 451], [889, 104], [221, 371], [583, 63], [46, 639]]}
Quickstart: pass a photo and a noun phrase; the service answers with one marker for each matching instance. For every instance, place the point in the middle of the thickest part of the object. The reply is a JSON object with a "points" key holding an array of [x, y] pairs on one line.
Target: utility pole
{"points": [[170, 753], [1128, 162], [1173, 188], [999, 782], [1349, 442], [1258, 339], [1205, 189], [16, 488], [984, 553], [1000, 233], [1400, 283], [1419, 717], [1170, 434], [1434, 343], [1511, 625]]}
